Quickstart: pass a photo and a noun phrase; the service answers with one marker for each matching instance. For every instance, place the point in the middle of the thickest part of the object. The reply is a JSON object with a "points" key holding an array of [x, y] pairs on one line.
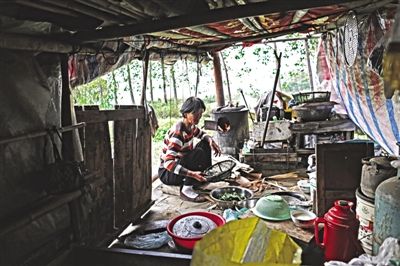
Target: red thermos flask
{"points": [[340, 232]]}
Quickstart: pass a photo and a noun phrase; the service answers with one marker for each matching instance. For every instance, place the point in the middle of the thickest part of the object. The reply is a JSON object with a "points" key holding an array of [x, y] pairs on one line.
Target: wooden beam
{"points": [[37, 44], [292, 39], [49, 8], [39, 134], [201, 18], [96, 116], [84, 9], [316, 127], [25, 12], [253, 38], [271, 157]]}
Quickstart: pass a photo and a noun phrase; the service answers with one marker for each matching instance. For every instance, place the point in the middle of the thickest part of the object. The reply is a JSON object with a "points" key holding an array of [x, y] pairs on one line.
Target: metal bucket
{"points": [[374, 171], [365, 214]]}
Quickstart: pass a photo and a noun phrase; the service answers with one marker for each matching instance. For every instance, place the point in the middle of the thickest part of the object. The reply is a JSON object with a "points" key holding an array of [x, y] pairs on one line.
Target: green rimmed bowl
{"points": [[272, 207]]}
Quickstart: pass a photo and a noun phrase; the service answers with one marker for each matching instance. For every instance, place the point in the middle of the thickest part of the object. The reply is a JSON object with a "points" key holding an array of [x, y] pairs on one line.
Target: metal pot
{"points": [[248, 203], [312, 111], [188, 228], [374, 171], [217, 193]]}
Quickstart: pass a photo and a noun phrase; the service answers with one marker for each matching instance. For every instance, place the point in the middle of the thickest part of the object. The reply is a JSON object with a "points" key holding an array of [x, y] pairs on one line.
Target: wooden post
{"points": [[279, 78], [227, 82], [218, 79], [145, 72], [66, 119], [278, 59], [309, 65]]}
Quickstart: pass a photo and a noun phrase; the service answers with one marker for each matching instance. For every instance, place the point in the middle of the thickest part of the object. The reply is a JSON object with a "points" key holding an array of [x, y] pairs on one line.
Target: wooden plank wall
{"points": [[93, 213], [129, 175], [132, 168]]}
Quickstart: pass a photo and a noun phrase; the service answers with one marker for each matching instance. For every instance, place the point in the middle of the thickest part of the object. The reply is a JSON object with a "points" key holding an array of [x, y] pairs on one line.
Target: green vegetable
{"points": [[229, 196]]}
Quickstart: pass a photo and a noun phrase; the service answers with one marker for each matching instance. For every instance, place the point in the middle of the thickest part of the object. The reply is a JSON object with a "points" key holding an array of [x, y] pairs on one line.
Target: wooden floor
{"points": [[167, 205]]}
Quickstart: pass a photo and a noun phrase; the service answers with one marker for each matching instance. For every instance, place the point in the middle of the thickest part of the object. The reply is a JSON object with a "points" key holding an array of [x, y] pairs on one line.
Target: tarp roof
{"points": [[201, 25]]}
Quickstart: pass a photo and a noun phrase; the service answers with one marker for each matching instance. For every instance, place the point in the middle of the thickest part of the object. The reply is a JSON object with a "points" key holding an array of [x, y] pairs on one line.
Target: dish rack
{"points": [[312, 97]]}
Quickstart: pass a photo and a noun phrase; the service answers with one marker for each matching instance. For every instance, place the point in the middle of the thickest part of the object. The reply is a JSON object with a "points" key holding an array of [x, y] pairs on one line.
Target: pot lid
{"points": [[193, 226], [383, 161]]}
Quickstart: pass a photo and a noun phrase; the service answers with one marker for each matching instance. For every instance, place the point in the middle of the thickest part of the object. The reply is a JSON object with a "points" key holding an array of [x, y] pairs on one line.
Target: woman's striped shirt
{"points": [[178, 142]]}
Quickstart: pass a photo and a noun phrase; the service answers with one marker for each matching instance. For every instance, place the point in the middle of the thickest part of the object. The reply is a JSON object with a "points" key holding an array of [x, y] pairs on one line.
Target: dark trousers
{"points": [[197, 159]]}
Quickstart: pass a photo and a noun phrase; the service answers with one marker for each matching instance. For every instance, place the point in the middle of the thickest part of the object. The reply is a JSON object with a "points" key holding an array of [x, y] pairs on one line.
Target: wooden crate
{"points": [[277, 131], [270, 163]]}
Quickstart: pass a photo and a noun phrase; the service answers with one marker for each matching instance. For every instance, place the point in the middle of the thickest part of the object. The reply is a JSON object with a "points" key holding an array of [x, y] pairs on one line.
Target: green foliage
{"points": [[164, 126], [208, 100], [169, 110], [254, 92], [94, 93], [239, 53], [295, 81], [251, 69], [264, 54]]}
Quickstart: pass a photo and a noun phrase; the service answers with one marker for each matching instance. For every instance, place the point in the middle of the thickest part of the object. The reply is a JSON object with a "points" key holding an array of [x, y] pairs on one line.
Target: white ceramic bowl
{"points": [[303, 218]]}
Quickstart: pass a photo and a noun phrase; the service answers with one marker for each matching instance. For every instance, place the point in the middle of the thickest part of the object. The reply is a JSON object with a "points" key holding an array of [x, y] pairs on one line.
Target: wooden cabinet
{"points": [[339, 172]]}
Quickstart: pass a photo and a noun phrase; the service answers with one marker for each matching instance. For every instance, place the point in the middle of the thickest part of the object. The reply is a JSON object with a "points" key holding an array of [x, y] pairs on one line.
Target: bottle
{"points": [[245, 147]]}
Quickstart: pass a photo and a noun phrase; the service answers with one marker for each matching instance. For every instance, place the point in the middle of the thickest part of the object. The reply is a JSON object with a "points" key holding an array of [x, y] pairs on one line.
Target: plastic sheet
{"points": [[149, 241], [246, 242], [389, 255], [29, 102]]}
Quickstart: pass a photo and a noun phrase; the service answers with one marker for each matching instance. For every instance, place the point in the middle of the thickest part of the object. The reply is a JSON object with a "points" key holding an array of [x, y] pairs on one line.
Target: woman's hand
{"points": [[197, 175], [214, 146]]}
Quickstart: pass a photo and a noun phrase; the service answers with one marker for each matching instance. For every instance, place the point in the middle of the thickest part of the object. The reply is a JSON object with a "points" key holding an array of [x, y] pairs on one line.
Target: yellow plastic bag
{"points": [[246, 242]]}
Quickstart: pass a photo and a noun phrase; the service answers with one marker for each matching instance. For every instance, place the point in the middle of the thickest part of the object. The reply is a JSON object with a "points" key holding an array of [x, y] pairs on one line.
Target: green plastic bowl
{"points": [[272, 207]]}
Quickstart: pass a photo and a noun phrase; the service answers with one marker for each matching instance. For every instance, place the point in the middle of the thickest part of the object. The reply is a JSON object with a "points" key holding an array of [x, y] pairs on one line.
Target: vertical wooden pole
{"points": [[128, 74], [227, 80], [164, 79], [151, 83], [218, 79], [172, 71], [145, 72], [309, 65], [66, 119], [279, 79], [278, 70]]}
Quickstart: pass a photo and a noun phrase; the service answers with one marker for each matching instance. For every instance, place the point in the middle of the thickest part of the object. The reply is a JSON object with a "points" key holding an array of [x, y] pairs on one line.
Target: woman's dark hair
{"points": [[192, 105]]}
